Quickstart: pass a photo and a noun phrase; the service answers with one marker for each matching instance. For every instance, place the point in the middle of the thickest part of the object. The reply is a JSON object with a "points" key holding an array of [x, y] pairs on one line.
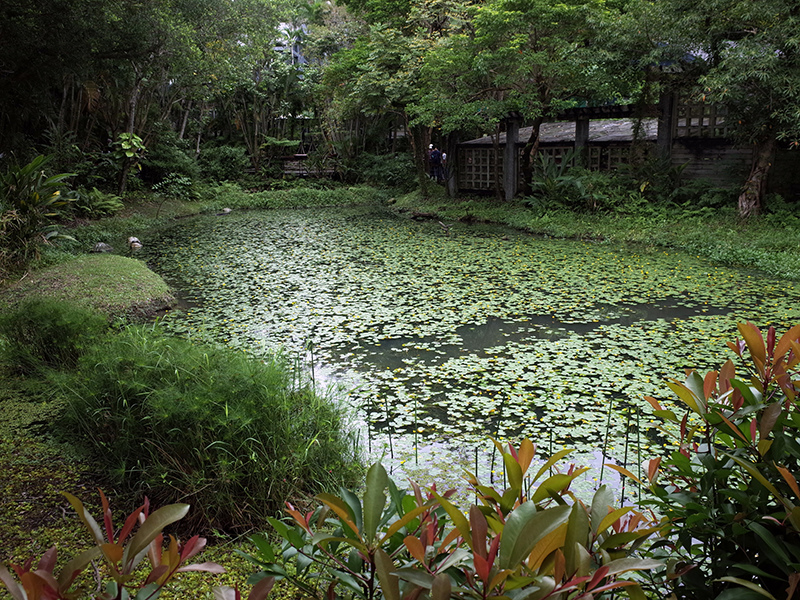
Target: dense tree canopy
{"points": [[76, 76]]}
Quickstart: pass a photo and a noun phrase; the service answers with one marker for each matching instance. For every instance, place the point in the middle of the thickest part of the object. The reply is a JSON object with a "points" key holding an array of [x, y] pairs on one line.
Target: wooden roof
{"points": [[601, 131]]}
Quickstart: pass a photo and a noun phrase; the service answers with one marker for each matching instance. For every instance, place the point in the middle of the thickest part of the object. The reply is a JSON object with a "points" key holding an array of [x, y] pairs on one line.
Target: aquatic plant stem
{"points": [[605, 439]]}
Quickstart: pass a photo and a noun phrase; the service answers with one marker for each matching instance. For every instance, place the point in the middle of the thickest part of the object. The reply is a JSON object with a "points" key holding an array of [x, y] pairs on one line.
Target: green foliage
{"points": [[43, 333], [28, 198], [388, 170], [122, 552], [128, 146], [730, 494], [175, 186], [186, 421], [223, 163], [521, 542], [169, 155], [94, 203]]}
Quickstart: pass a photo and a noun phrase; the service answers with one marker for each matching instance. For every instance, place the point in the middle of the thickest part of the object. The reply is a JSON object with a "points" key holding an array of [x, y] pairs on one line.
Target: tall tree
{"points": [[750, 59]]}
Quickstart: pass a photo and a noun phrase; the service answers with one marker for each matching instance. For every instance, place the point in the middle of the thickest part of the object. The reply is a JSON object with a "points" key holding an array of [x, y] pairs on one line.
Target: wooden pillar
{"points": [[511, 158], [582, 142], [666, 112]]}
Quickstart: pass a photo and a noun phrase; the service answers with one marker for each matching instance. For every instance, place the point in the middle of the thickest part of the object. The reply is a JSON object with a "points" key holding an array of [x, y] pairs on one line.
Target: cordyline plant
{"points": [[523, 543], [730, 494], [122, 552]]}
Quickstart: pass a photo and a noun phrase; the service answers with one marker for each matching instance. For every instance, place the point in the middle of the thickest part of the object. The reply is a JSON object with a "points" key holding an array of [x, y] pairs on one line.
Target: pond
{"points": [[444, 337]]}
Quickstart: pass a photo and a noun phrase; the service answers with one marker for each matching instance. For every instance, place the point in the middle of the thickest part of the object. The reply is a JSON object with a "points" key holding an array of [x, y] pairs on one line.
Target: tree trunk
{"points": [[756, 185], [529, 153], [133, 103]]}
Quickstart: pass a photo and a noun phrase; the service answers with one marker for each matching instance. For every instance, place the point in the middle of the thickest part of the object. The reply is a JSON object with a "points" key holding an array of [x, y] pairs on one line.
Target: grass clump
{"points": [[184, 422], [44, 333]]}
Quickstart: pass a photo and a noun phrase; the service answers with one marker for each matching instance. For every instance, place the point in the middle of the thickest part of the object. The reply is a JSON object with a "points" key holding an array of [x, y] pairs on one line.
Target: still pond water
{"points": [[439, 340]]}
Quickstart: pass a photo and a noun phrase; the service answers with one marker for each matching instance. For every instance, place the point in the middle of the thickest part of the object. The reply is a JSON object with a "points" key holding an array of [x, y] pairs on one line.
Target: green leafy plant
{"points": [[121, 551], [730, 494], [186, 420], [175, 185], [28, 199], [521, 542], [45, 333], [94, 203]]}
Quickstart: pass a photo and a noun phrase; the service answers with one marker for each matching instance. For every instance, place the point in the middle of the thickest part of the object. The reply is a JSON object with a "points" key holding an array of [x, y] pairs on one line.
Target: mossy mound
{"points": [[115, 285]]}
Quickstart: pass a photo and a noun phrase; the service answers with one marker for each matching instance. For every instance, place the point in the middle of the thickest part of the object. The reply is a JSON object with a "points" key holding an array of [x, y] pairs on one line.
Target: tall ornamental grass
{"points": [[182, 422]]}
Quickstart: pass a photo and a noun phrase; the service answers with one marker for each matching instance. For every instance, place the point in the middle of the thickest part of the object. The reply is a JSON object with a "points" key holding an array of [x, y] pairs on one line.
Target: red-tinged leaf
{"points": [[737, 400], [785, 343], [129, 524], [479, 531], [770, 341], [652, 468], [493, 547], [262, 589], [598, 576], [113, 552], [755, 344], [559, 566], [683, 426], [299, 519], [48, 560], [769, 417], [794, 579], [193, 547], [753, 429], [417, 493], [790, 479], [107, 517], [527, 450], [415, 548], [206, 567], [481, 568], [442, 587], [613, 585], [735, 347], [726, 373], [653, 402], [157, 573], [499, 578], [512, 451], [341, 510], [710, 384], [734, 428], [624, 471], [794, 359], [404, 520], [450, 538]]}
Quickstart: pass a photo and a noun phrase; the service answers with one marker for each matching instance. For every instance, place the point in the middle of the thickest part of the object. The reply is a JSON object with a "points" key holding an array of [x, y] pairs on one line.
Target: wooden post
{"points": [[510, 158], [666, 111], [582, 142]]}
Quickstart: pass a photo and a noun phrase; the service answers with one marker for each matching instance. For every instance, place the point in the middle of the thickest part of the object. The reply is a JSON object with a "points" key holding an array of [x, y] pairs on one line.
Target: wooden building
{"points": [[695, 135]]}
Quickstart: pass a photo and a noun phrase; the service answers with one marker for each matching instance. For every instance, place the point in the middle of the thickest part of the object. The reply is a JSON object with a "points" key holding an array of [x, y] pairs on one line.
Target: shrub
{"points": [[527, 542], [730, 493], [228, 433], [175, 186], [169, 156], [223, 163], [122, 552], [42, 333], [28, 198], [94, 203], [389, 170]]}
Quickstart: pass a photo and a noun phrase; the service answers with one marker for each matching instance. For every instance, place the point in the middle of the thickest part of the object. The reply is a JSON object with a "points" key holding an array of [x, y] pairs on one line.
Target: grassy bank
{"points": [[767, 244]]}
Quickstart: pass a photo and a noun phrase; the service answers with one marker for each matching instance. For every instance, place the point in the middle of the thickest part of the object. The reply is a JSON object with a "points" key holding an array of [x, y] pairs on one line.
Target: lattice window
{"points": [[476, 168], [700, 120]]}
